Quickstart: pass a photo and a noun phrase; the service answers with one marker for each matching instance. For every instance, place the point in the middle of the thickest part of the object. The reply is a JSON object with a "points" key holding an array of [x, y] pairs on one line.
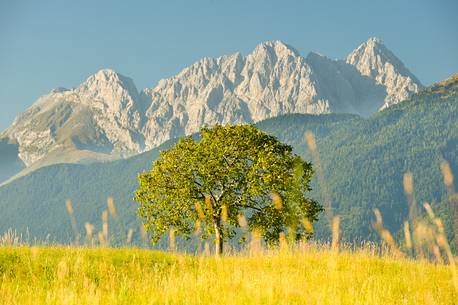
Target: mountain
{"points": [[363, 160], [101, 115], [106, 118], [374, 60]]}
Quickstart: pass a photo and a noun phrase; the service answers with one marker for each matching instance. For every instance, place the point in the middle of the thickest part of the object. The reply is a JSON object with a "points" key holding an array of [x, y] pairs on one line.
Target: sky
{"points": [[49, 44]]}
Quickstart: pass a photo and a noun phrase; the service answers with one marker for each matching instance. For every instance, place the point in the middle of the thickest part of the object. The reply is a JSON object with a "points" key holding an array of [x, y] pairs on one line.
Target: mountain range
{"points": [[363, 161], [107, 118]]}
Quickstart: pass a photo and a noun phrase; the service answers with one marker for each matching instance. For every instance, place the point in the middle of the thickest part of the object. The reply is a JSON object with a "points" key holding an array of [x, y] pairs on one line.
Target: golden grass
{"points": [[66, 275]]}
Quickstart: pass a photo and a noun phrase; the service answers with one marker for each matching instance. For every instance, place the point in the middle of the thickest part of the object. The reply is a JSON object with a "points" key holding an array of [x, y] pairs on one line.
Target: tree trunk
{"points": [[218, 240]]}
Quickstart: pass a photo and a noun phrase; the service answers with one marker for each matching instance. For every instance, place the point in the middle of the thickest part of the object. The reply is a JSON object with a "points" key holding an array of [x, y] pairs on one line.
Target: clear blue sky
{"points": [[49, 44]]}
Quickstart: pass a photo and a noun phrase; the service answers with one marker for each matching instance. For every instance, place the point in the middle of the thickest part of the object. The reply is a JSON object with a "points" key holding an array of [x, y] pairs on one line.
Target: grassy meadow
{"points": [[309, 275]]}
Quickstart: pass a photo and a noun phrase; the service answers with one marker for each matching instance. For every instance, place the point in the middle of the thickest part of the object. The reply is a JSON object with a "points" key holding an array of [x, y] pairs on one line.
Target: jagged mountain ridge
{"points": [[107, 117], [373, 59]]}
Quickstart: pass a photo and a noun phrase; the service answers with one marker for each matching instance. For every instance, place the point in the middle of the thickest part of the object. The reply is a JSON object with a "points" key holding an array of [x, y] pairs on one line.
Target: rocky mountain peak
{"points": [[374, 60], [108, 79], [372, 55], [108, 88], [274, 49]]}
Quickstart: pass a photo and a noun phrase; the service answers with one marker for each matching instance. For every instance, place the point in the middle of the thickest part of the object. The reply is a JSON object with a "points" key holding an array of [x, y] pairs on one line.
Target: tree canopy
{"points": [[231, 170]]}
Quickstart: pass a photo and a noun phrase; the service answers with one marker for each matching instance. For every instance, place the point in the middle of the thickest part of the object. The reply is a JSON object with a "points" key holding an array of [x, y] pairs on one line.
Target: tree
{"points": [[231, 170]]}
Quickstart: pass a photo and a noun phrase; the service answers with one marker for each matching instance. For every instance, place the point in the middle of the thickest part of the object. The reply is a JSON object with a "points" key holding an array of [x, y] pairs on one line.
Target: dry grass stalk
{"points": [[255, 242], [308, 227], [437, 254], [283, 242], [71, 214], [89, 233], [207, 249], [242, 221], [386, 235], [408, 183], [10, 238], [111, 207], [447, 174], [408, 189], [197, 229], [448, 181], [172, 240], [442, 242], [335, 233], [407, 236], [311, 142], [101, 239], [130, 234], [89, 229], [144, 234], [105, 227], [104, 216]]}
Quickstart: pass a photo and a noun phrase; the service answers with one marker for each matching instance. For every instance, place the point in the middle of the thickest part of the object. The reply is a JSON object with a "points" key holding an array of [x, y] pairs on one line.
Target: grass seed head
{"points": [[111, 207], [447, 174], [310, 139], [335, 233], [69, 206], [89, 229], [408, 183], [197, 227], [429, 210], [407, 235], [242, 221], [308, 227], [105, 230], [172, 239], [104, 216], [130, 234]]}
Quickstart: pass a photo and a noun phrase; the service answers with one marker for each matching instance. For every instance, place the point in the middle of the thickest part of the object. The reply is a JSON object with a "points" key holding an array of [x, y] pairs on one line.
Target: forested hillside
{"points": [[364, 160]]}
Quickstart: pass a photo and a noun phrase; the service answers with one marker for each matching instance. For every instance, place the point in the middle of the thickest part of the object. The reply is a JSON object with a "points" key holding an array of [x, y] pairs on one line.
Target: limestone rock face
{"points": [[107, 116], [102, 114], [373, 59]]}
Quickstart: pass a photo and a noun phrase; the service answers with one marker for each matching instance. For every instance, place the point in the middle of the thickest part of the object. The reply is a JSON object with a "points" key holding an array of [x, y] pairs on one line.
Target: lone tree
{"points": [[231, 170]]}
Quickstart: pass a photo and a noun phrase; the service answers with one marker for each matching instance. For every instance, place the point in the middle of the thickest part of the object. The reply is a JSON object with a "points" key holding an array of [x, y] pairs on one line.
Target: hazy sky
{"points": [[49, 44]]}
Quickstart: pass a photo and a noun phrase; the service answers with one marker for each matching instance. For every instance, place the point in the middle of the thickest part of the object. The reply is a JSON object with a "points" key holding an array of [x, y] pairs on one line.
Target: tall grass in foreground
{"points": [[308, 275]]}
